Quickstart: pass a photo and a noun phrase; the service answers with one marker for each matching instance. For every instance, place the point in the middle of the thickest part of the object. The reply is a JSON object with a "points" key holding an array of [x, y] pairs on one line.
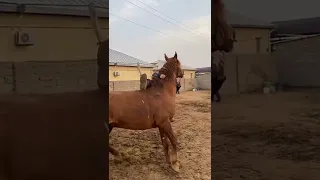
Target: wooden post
{"points": [[103, 51], [138, 66], [94, 22]]}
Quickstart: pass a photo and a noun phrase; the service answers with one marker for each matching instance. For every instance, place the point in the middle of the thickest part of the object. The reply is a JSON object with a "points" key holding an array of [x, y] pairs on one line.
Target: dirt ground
{"points": [[274, 137], [57, 136], [145, 156]]}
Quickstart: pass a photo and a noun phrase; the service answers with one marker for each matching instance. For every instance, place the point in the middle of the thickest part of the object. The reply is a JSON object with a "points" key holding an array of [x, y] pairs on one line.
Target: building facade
{"points": [[252, 35], [123, 67]]}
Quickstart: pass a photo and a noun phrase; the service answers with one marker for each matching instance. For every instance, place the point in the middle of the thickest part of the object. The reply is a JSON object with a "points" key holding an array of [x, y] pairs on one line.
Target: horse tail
{"points": [[223, 33]]}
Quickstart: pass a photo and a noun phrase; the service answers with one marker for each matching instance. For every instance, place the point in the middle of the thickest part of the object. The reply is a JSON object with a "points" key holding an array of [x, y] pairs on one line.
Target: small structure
{"points": [[203, 71], [189, 72], [296, 50]]}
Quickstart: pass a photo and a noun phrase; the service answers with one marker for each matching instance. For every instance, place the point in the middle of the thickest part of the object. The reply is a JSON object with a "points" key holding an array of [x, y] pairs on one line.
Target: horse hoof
{"points": [[176, 166]]}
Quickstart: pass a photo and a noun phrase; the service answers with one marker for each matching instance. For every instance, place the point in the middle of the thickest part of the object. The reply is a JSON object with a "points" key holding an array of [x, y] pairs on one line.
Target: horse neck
{"points": [[170, 86], [170, 80]]}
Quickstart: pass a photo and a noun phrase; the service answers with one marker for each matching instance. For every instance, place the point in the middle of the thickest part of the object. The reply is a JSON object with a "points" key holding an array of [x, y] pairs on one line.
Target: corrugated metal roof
{"points": [[305, 26], [203, 69], [57, 7], [121, 59], [158, 64], [239, 20]]}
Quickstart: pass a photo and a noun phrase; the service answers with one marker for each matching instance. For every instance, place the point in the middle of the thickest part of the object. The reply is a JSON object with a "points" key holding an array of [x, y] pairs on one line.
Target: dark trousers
{"points": [[216, 84], [178, 88]]}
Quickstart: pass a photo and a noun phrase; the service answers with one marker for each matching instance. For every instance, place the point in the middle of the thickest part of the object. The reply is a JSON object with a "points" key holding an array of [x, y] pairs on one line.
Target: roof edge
{"points": [[297, 39], [56, 10], [254, 26]]}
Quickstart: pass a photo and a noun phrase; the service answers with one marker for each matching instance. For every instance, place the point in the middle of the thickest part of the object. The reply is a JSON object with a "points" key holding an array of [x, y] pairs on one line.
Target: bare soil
{"points": [[274, 137], [144, 153]]}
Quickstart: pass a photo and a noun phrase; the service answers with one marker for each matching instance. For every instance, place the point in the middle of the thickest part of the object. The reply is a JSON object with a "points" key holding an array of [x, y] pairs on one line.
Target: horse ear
{"points": [[166, 57], [175, 55]]}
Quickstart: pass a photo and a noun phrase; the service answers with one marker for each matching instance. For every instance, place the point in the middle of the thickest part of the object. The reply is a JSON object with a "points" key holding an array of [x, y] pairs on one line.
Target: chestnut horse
{"points": [[149, 108]]}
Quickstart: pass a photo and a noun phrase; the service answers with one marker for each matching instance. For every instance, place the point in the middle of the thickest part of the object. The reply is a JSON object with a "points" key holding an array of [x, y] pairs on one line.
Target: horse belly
{"points": [[132, 116]]}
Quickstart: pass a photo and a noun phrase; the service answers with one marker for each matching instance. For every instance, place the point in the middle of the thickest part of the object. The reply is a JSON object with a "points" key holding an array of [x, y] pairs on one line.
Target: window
{"points": [[191, 74]]}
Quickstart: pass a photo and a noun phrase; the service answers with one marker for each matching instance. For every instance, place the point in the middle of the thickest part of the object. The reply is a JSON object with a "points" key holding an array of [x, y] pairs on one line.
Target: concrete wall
{"points": [[298, 62], [247, 43], [186, 85], [244, 73], [48, 77], [204, 81], [128, 73]]}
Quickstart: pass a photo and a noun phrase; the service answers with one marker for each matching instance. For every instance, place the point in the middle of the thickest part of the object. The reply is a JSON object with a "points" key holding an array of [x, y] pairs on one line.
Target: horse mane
{"points": [[218, 13], [168, 70], [222, 31]]}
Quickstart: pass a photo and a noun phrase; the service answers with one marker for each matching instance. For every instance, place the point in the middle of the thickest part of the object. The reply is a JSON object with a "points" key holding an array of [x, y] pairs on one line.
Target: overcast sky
{"points": [[275, 10], [193, 47]]}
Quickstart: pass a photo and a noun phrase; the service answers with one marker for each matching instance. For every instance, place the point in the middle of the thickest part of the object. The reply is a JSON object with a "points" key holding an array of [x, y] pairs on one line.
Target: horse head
{"points": [[171, 68]]}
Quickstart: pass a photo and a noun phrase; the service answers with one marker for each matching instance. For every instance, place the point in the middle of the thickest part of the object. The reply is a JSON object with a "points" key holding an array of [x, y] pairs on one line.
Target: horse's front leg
{"points": [[113, 151]]}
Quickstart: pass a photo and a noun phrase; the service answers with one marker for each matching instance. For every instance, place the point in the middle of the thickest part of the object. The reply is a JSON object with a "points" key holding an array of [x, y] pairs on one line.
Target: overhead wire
{"points": [[161, 17], [163, 33], [168, 16]]}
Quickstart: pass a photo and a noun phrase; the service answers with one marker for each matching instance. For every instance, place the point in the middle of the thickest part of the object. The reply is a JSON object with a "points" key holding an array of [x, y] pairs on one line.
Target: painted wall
{"points": [[247, 44], [56, 38], [189, 74], [62, 59], [127, 73]]}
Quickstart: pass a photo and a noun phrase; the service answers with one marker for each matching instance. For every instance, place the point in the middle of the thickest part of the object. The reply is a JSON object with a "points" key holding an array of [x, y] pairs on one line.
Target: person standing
{"points": [[223, 38], [218, 76], [178, 85]]}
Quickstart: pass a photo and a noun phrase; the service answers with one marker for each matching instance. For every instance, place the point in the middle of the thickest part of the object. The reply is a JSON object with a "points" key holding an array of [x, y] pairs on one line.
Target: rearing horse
{"points": [[149, 108]]}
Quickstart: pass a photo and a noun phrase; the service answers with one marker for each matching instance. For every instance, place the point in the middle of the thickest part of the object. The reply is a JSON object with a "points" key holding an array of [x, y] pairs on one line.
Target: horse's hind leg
{"points": [[114, 152], [175, 164], [165, 144]]}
